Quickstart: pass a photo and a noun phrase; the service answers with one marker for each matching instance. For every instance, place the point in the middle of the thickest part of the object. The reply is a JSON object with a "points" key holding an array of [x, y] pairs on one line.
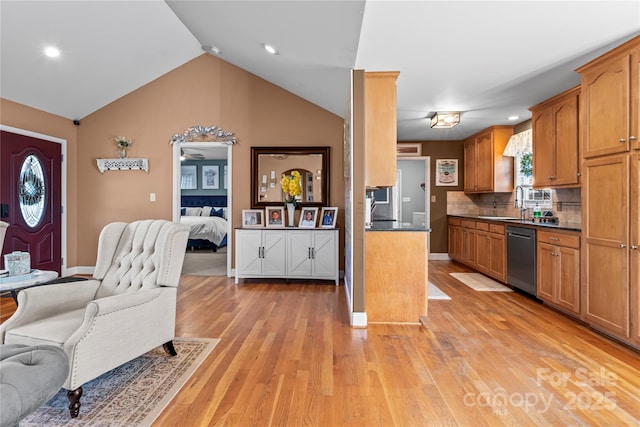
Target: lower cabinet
{"points": [[558, 270], [287, 253], [480, 245]]}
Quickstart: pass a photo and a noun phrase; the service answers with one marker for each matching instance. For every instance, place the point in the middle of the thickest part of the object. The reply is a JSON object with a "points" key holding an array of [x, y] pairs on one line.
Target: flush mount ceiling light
{"points": [[51, 52], [272, 50], [513, 118], [445, 120]]}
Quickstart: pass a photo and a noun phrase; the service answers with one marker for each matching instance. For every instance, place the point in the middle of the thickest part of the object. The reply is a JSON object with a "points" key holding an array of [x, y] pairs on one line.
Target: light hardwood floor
{"points": [[288, 357]]}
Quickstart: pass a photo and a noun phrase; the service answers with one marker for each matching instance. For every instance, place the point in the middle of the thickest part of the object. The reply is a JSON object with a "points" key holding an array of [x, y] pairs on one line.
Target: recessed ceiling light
{"points": [[272, 50], [51, 52], [512, 118]]}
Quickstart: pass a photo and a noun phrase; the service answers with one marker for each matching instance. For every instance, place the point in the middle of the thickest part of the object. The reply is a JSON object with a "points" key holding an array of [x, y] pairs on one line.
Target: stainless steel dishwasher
{"points": [[521, 258]]}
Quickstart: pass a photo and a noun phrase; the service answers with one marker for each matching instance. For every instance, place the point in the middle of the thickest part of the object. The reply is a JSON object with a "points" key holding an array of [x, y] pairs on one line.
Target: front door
{"points": [[31, 198]]}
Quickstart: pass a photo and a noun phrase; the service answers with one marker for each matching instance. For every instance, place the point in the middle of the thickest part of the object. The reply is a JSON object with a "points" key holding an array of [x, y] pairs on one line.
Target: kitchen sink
{"points": [[498, 218]]}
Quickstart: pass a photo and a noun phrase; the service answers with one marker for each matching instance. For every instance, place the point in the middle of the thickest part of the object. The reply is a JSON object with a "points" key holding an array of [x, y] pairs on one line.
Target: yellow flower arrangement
{"points": [[291, 186]]}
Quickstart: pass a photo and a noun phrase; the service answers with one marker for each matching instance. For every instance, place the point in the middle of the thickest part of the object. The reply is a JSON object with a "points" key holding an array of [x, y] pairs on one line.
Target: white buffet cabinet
{"points": [[289, 253]]}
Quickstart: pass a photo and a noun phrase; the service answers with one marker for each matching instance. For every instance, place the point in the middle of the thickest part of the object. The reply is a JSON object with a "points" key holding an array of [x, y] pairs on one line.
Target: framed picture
{"points": [[211, 177], [188, 177], [253, 218], [406, 149], [308, 217], [447, 172], [275, 216], [381, 196], [328, 217]]}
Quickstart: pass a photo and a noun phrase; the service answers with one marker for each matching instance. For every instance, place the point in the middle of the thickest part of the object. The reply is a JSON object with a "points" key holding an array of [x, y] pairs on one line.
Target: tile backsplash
{"points": [[566, 204]]}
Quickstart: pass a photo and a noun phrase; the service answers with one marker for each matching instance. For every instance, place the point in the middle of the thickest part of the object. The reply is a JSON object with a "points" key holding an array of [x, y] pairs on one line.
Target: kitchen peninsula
{"points": [[396, 271]]}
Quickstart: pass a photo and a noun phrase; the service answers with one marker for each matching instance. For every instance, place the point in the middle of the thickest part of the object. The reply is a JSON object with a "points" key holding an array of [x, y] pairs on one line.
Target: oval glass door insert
{"points": [[31, 191]]}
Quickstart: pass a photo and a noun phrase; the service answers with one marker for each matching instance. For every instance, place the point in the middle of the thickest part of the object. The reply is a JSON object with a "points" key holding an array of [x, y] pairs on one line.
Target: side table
{"points": [[38, 277]]}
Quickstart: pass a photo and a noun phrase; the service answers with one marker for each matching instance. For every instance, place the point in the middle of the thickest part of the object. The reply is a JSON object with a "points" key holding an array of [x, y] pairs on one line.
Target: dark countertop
{"points": [[396, 226], [572, 226]]}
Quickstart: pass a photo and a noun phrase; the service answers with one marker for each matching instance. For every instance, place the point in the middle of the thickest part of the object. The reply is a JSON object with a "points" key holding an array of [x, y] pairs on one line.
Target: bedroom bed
{"points": [[206, 216]]}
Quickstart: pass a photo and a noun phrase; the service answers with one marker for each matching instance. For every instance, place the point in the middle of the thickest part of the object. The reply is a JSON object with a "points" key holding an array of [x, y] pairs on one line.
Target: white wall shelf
{"points": [[123, 164]]}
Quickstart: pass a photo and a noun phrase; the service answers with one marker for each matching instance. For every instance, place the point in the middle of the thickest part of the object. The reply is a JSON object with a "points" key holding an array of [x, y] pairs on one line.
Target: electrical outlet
{"points": [[152, 197], [433, 199]]}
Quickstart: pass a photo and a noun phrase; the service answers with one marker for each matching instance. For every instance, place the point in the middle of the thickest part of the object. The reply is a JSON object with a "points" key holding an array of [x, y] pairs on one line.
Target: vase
{"points": [[122, 152], [291, 209]]}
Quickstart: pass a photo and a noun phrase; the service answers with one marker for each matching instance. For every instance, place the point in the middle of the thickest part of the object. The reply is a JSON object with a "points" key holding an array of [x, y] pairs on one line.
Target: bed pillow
{"points": [[206, 211], [193, 211], [183, 211], [217, 212]]}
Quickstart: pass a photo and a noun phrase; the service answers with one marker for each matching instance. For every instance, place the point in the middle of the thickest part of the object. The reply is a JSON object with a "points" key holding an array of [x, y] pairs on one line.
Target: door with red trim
{"points": [[31, 198]]}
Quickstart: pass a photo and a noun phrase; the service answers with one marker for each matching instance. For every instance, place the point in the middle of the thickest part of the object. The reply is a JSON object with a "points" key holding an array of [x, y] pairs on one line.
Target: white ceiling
{"points": [[487, 59]]}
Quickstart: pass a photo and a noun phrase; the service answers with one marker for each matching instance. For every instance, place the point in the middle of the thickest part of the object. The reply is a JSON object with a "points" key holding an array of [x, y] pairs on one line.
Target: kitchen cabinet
{"points": [[455, 238], [468, 249], [609, 121], [491, 250], [486, 170], [554, 124], [609, 117], [287, 253], [380, 128], [558, 270], [396, 276]]}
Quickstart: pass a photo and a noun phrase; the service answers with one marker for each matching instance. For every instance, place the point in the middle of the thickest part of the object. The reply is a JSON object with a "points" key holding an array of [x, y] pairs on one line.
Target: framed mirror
{"points": [[268, 164]]}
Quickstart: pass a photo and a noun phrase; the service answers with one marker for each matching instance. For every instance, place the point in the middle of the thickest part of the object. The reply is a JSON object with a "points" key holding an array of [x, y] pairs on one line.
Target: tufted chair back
{"points": [[138, 255]]}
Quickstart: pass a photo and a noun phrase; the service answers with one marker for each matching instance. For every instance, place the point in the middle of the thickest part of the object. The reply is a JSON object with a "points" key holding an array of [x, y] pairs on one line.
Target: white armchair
{"points": [[127, 309]]}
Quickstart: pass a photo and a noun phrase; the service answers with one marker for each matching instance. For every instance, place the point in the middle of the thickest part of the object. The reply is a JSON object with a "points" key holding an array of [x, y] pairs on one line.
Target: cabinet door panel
{"points": [[568, 279], [274, 247], [470, 166], [498, 264], [634, 241], [543, 147], [324, 260], [546, 272], [299, 253], [248, 259], [483, 248], [484, 168], [566, 142], [606, 92]]}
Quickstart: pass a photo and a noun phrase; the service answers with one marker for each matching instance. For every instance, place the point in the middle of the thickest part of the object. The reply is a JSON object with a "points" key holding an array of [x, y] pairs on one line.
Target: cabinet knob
{"points": [[553, 238], [623, 140], [632, 138], [634, 247], [622, 246]]}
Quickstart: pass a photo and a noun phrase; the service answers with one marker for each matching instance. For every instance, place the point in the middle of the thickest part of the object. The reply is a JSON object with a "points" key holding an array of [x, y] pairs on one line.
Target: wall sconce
{"points": [[445, 120]]}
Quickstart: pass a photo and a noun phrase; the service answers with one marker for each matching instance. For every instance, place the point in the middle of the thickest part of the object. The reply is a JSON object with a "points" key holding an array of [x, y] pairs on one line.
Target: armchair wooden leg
{"points": [[169, 348], [74, 401]]}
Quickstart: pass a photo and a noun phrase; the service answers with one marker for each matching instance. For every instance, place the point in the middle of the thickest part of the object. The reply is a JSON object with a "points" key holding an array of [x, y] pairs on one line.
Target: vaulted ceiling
{"points": [[487, 59]]}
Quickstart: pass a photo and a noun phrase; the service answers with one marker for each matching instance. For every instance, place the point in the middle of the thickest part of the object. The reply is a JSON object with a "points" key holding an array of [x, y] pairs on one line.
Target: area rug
{"points": [[133, 394], [433, 292], [480, 282]]}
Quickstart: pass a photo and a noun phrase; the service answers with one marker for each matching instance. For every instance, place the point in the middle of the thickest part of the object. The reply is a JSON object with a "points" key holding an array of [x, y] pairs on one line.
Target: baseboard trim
{"points": [[359, 319], [79, 270], [439, 256]]}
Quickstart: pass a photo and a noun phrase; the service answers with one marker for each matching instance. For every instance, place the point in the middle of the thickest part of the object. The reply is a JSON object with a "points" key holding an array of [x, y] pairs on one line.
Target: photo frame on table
{"points": [[446, 172], [328, 217], [253, 218], [188, 177], [210, 177], [308, 217], [274, 216]]}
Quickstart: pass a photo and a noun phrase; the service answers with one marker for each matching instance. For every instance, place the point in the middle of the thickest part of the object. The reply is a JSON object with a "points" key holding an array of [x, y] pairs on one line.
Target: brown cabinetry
{"points": [[380, 128], [491, 250], [554, 125], [480, 245], [558, 270], [486, 170], [609, 118]]}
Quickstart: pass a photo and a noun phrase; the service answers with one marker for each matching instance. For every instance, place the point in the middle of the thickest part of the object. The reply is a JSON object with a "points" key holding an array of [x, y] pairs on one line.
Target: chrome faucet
{"points": [[519, 204]]}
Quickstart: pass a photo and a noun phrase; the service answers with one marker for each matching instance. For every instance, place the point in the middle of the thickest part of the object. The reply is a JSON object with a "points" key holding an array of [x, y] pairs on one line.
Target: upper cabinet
{"points": [[610, 88], [380, 128], [486, 170], [554, 125]]}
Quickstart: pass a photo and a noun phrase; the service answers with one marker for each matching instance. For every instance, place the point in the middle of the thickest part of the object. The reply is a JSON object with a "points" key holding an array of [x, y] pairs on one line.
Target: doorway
{"points": [[205, 151]]}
